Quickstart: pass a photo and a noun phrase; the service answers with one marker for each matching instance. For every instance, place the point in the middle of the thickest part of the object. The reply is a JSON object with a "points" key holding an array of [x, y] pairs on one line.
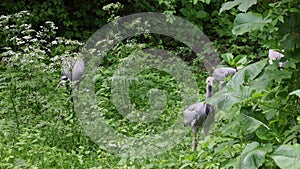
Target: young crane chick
{"points": [[197, 114]]}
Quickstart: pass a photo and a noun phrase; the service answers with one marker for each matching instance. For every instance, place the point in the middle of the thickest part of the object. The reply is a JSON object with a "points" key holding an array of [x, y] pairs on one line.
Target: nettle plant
{"points": [[262, 100], [30, 70], [35, 112]]}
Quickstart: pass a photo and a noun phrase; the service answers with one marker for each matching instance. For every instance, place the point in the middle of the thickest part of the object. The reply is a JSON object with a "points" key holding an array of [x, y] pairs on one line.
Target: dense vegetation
{"points": [[258, 113]]}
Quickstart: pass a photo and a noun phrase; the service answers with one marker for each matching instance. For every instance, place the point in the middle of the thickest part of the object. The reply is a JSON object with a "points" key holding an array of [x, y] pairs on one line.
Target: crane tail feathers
{"points": [[208, 123]]}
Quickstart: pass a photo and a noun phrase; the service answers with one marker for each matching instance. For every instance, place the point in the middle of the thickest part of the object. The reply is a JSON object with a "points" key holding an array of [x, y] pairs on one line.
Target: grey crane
{"points": [[220, 75], [72, 71], [200, 114]]}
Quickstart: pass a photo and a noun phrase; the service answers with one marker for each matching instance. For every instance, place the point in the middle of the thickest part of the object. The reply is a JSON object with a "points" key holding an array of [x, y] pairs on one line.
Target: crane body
{"points": [[72, 71], [220, 75]]}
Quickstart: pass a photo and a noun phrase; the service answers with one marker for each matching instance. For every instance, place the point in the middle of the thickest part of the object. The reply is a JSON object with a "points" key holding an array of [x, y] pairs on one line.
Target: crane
{"points": [[197, 114], [220, 75], [72, 71]]}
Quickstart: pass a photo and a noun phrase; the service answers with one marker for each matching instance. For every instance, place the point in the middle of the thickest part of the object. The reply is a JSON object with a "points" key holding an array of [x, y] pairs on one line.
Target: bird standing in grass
{"points": [[200, 114]]}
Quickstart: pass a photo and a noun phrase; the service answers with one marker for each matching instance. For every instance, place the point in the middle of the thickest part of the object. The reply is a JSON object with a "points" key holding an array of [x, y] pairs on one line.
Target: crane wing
{"points": [[209, 120], [195, 115], [78, 70], [67, 65]]}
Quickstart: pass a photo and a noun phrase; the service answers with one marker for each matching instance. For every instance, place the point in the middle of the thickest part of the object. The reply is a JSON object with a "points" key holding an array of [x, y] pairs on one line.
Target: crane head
{"points": [[209, 81], [62, 81]]}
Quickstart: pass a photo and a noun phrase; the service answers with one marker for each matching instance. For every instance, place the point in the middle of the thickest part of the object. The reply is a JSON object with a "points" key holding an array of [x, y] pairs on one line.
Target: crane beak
{"points": [[62, 81]]}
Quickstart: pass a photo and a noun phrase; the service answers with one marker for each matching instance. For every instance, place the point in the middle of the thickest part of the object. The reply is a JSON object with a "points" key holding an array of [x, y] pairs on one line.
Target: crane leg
{"points": [[195, 142]]}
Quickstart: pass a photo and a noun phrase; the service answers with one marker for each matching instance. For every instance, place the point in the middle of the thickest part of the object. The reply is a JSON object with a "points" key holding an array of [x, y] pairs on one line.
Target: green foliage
{"points": [[258, 112], [243, 5], [237, 62], [237, 89], [287, 156], [253, 156], [246, 22], [36, 121], [259, 98], [196, 14]]}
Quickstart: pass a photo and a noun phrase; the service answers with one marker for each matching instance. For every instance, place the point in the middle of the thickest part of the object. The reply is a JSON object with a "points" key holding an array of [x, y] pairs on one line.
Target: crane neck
{"points": [[209, 91]]}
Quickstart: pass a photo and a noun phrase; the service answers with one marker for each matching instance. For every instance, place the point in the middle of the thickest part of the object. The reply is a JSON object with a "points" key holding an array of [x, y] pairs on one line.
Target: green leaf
{"points": [[296, 92], [261, 82], [233, 163], [290, 138], [268, 77], [184, 11], [223, 100], [294, 10], [250, 124], [289, 41], [232, 129], [287, 156], [246, 4], [279, 75], [264, 134], [246, 22], [240, 60], [253, 156], [243, 5], [201, 14], [229, 5], [227, 56], [247, 74]]}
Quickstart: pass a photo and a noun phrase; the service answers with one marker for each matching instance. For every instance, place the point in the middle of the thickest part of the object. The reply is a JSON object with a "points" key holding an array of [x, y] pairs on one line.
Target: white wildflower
{"points": [[27, 37], [54, 42], [20, 42]]}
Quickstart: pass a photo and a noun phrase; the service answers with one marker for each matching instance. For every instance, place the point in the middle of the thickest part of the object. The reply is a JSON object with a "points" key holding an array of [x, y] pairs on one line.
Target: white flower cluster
{"points": [[37, 49]]}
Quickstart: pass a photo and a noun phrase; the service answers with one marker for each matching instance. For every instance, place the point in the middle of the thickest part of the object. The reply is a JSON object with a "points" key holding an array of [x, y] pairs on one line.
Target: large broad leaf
{"points": [[245, 22], [296, 92], [287, 156], [268, 77], [231, 129], [246, 4], [225, 99], [262, 82], [243, 5], [250, 124], [247, 123], [247, 74], [279, 75], [253, 156]]}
